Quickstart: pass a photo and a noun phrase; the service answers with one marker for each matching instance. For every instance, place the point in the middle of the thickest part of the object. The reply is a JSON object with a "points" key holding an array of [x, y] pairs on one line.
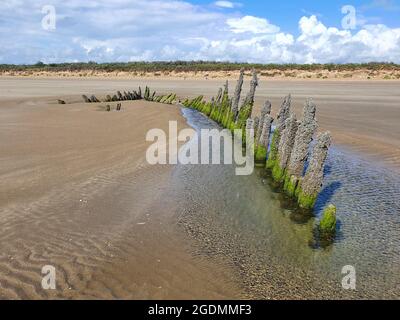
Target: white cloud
{"points": [[129, 30], [225, 4], [251, 24]]}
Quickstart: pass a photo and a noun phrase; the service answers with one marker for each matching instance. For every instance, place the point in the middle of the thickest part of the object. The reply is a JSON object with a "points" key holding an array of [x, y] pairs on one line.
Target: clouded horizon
{"points": [[154, 30]]}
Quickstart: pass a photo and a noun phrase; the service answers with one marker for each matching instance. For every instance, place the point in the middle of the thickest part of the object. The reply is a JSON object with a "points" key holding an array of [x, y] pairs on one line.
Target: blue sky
{"points": [[302, 31], [287, 13]]}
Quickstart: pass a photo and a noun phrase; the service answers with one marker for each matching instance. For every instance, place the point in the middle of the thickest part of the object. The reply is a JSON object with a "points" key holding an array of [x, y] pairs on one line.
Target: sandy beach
{"points": [[76, 192], [362, 115]]}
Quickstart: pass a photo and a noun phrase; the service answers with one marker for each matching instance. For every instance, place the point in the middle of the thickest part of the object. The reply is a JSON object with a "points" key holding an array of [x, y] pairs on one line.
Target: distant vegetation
{"points": [[192, 66]]}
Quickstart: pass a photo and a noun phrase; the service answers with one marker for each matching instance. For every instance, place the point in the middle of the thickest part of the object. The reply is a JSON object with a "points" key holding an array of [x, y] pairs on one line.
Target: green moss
{"points": [[165, 98], [277, 172], [270, 164], [273, 153], [201, 106], [260, 155], [225, 110], [231, 126], [290, 185], [328, 222], [147, 93], [227, 119], [215, 112], [306, 201], [207, 109], [171, 98], [244, 114], [194, 104]]}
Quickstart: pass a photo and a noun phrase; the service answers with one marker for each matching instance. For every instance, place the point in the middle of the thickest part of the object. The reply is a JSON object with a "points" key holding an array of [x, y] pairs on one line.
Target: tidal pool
{"points": [[248, 223]]}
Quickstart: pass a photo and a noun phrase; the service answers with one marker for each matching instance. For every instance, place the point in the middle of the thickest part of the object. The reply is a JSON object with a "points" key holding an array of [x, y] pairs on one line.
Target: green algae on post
{"points": [[327, 224]]}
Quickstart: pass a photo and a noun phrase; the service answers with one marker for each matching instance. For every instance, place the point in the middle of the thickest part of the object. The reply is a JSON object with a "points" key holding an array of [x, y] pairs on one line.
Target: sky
{"points": [[301, 31]]}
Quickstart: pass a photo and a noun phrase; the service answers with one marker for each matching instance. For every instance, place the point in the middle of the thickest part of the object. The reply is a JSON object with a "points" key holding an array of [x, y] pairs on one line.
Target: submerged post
{"points": [[327, 224]]}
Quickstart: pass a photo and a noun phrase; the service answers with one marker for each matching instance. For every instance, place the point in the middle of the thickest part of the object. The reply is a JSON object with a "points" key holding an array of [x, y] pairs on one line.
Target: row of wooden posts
{"points": [[148, 95], [283, 145]]}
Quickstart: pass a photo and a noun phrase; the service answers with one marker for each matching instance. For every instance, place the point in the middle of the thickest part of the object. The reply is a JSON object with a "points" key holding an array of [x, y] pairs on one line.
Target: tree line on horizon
{"points": [[190, 66]]}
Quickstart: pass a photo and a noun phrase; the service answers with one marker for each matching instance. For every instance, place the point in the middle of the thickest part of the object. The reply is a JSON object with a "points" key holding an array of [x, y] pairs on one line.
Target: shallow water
{"points": [[248, 223]]}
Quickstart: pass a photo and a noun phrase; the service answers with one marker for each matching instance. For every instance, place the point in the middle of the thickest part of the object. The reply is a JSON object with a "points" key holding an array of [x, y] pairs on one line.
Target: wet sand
{"points": [[362, 115], [76, 193]]}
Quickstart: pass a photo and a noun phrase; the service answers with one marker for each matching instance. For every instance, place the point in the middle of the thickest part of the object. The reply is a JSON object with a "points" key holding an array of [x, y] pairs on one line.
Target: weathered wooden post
{"points": [[247, 107], [301, 146], [263, 142], [310, 186], [285, 148], [253, 86], [236, 95], [266, 109], [119, 106], [283, 114], [257, 129], [146, 93], [217, 105], [94, 99], [225, 107], [248, 129], [219, 95]]}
